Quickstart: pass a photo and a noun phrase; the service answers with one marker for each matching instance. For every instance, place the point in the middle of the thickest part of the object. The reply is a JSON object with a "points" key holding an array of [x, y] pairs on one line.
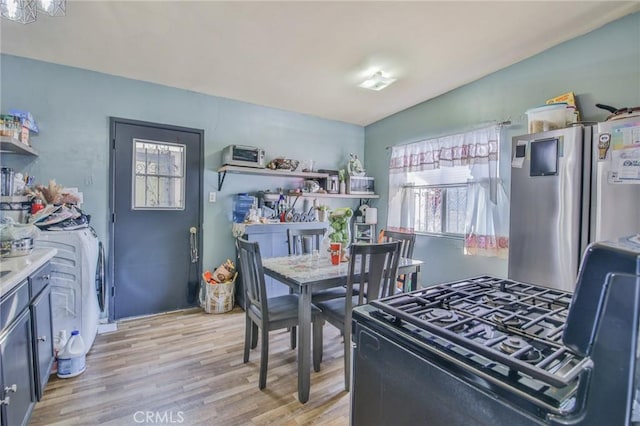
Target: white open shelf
{"points": [[13, 146]]}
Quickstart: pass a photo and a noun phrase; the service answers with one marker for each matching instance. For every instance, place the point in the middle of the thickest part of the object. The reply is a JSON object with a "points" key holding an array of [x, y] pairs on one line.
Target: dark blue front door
{"points": [[156, 198]]}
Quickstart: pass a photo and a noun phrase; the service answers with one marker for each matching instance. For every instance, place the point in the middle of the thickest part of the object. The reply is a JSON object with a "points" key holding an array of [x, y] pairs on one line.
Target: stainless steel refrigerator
{"points": [[570, 187]]}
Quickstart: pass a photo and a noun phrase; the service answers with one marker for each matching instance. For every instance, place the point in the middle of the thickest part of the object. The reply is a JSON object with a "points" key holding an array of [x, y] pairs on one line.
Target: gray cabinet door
{"points": [[17, 369], [42, 340], [40, 279]]}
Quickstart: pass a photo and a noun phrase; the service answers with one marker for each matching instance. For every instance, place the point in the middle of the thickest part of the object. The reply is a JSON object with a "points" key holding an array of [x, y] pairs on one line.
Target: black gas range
{"points": [[486, 350]]}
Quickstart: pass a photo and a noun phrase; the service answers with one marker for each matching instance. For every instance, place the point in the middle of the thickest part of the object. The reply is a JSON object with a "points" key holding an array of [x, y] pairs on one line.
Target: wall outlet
{"points": [[212, 197]]}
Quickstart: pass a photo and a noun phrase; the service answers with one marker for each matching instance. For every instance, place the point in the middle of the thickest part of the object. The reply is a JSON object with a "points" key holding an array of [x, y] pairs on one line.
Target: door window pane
{"points": [[158, 175]]}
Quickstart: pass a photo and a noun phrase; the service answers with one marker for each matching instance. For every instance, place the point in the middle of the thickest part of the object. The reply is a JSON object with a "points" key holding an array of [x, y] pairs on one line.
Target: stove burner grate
{"points": [[487, 316], [444, 318], [499, 298], [506, 320], [440, 315], [518, 347]]}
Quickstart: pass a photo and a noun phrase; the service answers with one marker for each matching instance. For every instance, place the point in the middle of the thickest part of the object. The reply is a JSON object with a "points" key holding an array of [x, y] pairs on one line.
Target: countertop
{"points": [[239, 229], [21, 267]]}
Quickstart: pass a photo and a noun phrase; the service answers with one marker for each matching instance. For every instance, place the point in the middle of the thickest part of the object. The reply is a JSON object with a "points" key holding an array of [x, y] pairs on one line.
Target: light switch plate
{"points": [[212, 197]]}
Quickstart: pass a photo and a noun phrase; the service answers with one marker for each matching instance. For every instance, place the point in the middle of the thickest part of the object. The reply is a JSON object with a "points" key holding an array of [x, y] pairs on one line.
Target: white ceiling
{"points": [[303, 56]]}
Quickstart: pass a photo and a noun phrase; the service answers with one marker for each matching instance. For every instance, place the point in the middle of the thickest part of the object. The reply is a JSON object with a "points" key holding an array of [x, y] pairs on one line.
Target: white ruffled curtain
{"points": [[487, 222], [486, 230]]}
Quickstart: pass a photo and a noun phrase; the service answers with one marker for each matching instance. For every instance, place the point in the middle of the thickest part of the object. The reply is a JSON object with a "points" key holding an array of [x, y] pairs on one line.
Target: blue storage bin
{"points": [[242, 203]]}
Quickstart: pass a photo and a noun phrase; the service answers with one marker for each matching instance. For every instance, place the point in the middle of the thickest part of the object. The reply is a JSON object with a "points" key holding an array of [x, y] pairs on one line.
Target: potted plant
{"points": [[323, 213]]}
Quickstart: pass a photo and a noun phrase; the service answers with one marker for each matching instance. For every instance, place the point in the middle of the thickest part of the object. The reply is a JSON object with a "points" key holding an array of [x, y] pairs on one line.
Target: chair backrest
{"points": [[303, 241], [407, 241], [252, 274], [373, 267]]}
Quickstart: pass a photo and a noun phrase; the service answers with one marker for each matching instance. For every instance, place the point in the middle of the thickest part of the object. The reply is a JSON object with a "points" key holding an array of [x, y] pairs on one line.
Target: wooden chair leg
{"points": [[247, 337], [264, 358], [347, 358], [317, 343], [293, 337], [254, 335]]}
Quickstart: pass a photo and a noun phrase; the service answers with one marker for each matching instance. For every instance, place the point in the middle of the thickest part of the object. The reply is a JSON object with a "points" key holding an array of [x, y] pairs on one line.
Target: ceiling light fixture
{"points": [[26, 11], [376, 82]]}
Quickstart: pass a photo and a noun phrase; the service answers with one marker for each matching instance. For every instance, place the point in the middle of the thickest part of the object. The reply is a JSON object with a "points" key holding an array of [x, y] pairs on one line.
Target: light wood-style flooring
{"points": [[186, 368]]}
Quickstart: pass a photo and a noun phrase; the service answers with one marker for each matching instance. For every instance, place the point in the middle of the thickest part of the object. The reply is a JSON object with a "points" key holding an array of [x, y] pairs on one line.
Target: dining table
{"points": [[305, 274]]}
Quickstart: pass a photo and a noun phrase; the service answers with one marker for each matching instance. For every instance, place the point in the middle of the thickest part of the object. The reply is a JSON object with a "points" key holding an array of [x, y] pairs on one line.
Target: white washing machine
{"points": [[74, 294]]}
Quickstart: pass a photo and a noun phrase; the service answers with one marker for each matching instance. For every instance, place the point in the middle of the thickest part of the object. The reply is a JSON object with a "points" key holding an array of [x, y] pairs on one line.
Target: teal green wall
{"points": [[600, 67], [72, 108]]}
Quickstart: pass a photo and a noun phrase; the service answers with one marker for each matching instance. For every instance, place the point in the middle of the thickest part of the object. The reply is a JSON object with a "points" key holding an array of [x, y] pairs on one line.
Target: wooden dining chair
{"points": [[271, 313], [407, 242], [373, 267], [304, 241]]}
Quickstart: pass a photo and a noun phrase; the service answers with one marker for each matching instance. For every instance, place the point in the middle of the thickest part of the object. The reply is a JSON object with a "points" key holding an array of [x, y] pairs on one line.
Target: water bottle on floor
{"points": [[71, 361]]}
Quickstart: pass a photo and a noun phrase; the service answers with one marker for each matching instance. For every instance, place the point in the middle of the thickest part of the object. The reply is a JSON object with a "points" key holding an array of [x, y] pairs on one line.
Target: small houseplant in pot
{"points": [[323, 212]]}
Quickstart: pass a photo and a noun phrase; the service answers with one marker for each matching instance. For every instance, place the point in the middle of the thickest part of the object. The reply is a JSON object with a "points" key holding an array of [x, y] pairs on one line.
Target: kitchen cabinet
{"points": [[11, 146], [272, 239], [222, 173], [364, 232], [42, 340], [43, 354], [16, 366], [26, 345]]}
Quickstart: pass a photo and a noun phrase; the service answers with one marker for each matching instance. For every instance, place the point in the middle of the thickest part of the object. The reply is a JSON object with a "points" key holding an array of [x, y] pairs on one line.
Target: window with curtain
{"points": [[448, 186]]}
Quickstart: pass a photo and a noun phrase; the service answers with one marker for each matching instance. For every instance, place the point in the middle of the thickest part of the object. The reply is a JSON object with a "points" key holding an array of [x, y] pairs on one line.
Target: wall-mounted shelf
{"points": [[11, 146], [222, 173], [326, 195]]}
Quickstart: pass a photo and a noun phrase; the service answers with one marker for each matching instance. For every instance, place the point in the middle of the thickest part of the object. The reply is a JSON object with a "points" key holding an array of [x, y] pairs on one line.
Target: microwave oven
{"points": [[360, 185], [242, 155]]}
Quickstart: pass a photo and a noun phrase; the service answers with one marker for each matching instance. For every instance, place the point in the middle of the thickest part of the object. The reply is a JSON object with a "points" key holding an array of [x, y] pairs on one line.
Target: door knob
{"points": [[13, 388]]}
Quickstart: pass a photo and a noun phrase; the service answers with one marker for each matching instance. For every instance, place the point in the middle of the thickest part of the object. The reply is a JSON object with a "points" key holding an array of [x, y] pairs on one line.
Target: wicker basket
{"points": [[218, 298]]}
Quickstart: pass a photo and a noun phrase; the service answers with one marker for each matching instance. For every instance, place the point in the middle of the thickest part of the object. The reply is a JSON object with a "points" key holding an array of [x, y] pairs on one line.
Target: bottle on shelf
{"points": [[282, 207]]}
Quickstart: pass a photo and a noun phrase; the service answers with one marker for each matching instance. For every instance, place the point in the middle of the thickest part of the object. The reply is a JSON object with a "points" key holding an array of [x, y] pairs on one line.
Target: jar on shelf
{"points": [[36, 205]]}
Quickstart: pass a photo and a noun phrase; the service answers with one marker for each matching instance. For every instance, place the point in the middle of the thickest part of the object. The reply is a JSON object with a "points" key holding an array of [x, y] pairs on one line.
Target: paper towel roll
{"points": [[371, 215]]}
